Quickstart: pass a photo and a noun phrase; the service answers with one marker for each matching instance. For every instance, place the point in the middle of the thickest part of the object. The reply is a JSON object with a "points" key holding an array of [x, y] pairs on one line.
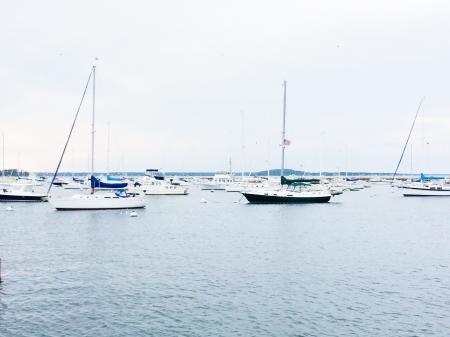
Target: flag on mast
{"points": [[286, 142]]}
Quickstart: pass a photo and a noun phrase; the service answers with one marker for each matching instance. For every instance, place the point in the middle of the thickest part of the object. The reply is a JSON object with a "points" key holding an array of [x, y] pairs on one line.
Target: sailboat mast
{"points": [[93, 120], [283, 136], [3, 155], [107, 150]]}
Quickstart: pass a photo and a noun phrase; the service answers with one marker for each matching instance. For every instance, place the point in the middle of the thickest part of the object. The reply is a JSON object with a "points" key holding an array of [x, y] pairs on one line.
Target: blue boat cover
{"points": [[97, 183], [111, 178], [423, 177]]}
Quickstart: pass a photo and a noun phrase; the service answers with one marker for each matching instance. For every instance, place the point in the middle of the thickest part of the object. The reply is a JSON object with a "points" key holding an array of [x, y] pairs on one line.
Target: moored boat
{"points": [[154, 183], [218, 183], [95, 200], [20, 193], [297, 190], [426, 191]]}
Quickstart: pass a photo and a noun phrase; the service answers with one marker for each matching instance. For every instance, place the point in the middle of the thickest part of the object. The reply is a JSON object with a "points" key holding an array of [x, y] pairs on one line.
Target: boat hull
{"points": [[417, 192], [9, 197], [256, 198]]}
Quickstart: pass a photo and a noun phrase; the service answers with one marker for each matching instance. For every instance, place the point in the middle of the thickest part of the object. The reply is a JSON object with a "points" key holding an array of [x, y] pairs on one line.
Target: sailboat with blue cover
{"points": [[95, 200]]}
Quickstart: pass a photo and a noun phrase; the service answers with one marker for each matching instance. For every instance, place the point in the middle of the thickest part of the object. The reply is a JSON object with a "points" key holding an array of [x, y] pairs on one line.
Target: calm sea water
{"points": [[370, 263]]}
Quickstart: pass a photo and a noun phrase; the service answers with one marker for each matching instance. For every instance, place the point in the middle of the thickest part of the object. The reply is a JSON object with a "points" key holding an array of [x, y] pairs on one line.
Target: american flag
{"points": [[286, 142]]}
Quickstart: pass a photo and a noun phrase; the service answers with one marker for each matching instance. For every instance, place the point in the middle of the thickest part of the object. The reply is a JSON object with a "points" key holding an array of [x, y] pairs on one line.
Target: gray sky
{"points": [[187, 84]]}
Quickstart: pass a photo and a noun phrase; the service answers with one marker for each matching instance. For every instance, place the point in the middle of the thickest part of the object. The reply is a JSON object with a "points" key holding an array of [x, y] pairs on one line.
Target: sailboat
{"points": [[297, 190], [424, 186], [119, 199]]}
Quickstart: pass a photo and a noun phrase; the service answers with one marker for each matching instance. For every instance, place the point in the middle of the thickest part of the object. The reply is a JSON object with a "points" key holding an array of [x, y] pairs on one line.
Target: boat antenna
{"points": [[70, 133], [283, 133], [407, 139]]}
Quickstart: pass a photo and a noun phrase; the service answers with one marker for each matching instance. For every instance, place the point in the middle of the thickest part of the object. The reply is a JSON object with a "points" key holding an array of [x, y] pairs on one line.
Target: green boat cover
{"points": [[299, 181]]}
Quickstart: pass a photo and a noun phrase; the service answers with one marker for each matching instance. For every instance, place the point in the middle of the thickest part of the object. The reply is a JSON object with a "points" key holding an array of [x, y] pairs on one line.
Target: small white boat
{"points": [[246, 183], [20, 192], [159, 187], [154, 183], [218, 183]]}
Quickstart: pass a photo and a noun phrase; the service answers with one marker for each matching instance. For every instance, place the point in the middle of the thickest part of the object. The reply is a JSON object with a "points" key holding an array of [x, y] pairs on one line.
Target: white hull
{"points": [[20, 192], [13, 196], [418, 192], [96, 202]]}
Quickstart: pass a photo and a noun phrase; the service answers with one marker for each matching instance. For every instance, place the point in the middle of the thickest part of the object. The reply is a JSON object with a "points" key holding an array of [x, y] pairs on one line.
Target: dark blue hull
{"points": [[21, 198], [270, 199]]}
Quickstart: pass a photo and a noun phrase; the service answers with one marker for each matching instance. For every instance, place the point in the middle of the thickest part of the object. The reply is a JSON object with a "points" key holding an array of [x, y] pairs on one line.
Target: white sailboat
{"points": [[95, 200], [426, 190], [297, 190]]}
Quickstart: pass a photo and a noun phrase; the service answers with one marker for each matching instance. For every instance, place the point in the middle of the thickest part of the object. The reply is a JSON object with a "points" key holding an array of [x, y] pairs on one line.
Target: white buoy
{"points": [[203, 201], [9, 208], [133, 214]]}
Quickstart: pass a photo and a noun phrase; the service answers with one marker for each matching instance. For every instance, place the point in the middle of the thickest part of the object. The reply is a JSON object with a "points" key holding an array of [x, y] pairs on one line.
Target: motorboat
{"points": [[20, 192], [60, 181], [246, 183], [154, 183], [218, 183]]}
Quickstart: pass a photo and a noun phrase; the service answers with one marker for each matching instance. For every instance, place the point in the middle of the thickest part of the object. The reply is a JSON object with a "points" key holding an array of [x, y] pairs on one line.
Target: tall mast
{"points": [[107, 150], [283, 136], [93, 120], [3, 155]]}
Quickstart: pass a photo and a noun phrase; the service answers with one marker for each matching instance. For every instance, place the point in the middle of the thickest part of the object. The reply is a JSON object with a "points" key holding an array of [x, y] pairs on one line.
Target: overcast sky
{"points": [[187, 84]]}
